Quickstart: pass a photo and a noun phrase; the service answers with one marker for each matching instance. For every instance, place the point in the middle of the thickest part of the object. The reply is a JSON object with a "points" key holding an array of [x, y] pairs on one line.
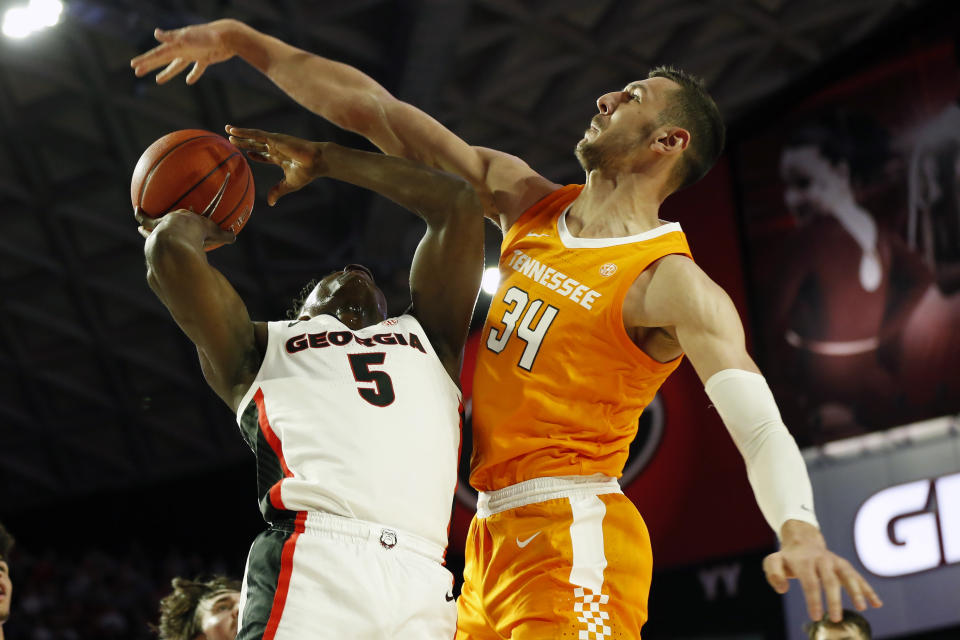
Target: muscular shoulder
{"points": [[672, 291], [512, 185]]}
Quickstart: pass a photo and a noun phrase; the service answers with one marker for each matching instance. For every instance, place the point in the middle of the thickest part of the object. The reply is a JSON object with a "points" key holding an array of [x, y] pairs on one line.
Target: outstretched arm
{"points": [[202, 301], [699, 314], [352, 100], [448, 264]]}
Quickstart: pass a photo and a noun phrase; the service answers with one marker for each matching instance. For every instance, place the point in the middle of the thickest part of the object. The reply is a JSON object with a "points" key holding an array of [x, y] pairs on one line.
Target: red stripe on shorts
{"points": [[275, 445], [443, 559], [283, 582]]}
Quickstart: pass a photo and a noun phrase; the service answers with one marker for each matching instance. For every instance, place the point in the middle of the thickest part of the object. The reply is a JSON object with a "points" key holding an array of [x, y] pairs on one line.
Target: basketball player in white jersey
{"points": [[354, 417], [650, 138]]}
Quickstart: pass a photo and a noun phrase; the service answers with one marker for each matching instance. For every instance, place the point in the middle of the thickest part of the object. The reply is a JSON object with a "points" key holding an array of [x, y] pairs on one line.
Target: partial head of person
{"points": [[829, 159], [200, 610], [665, 125], [350, 295], [6, 585], [853, 626]]}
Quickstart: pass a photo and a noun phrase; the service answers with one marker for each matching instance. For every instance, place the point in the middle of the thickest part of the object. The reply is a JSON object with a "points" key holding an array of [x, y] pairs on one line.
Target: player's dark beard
{"points": [[603, 155], [591, 156]]}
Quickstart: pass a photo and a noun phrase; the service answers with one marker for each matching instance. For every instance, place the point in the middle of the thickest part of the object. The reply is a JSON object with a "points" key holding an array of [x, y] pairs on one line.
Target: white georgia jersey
{"points": [[363, 424]]}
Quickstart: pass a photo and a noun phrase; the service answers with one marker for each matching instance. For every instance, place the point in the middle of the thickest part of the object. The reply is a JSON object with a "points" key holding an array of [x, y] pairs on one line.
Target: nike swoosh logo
{"points": [[806, 508], [523, 543]]}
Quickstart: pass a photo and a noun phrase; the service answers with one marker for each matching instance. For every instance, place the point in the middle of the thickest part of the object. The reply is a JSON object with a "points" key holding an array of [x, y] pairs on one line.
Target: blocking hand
{"points": [[202, 44], [805, 557], [302, 161]]}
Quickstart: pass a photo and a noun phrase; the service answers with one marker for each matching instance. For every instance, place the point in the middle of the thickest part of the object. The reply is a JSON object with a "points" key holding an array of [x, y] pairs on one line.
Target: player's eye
{"points": [[635, 96]]}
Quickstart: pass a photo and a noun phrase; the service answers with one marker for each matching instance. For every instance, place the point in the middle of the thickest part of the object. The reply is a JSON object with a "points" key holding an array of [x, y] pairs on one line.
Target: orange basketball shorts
{"points": [[555, 558]]}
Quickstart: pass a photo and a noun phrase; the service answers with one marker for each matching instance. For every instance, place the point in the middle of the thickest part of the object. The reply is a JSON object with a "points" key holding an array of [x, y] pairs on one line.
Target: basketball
{"points": [[185, 170]]}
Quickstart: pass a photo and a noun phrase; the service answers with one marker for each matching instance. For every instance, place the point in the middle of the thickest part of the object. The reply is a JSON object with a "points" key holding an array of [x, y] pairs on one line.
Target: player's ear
{"points": [[671, 140]]}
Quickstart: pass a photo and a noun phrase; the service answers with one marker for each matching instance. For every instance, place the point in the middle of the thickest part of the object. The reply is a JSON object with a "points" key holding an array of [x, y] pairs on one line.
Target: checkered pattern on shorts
{"points": [[587, 607]]}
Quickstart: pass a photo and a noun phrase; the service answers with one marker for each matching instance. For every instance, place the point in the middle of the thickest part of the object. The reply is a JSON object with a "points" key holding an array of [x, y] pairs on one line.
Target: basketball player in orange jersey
{"points": [[353, 417], [598, 301]]}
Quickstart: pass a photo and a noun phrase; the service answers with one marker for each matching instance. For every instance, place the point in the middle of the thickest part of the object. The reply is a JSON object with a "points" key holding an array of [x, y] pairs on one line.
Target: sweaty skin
{"points": [[210, 312], [629, 157]]}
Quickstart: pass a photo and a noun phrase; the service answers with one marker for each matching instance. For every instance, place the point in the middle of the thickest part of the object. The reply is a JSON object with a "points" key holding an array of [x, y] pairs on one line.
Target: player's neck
{"points": [[617, 206]]}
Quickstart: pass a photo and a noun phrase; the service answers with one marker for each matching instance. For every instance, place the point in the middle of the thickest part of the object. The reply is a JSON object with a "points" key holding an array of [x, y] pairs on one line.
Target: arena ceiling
{"points": [[100, 389]]}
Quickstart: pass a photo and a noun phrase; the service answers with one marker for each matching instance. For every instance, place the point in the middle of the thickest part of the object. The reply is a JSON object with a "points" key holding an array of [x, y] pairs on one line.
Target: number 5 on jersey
{"points": [[520, 316], [381, 395]]}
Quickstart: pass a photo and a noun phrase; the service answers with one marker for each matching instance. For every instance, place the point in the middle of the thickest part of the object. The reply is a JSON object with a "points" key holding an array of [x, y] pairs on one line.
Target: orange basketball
{"points": [[185, 170]]}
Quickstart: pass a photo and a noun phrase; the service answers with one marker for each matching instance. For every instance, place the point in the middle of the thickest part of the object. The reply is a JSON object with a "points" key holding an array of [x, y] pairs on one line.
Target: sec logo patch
{"points": [[608, 269]]}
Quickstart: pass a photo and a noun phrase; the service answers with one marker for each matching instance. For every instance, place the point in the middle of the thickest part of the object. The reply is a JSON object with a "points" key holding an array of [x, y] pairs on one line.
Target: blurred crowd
{"points": [[95, 593]]}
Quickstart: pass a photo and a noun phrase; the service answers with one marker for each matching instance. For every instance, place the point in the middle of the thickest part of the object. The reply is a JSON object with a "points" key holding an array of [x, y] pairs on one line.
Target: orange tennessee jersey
{"points": [[559, 385]]}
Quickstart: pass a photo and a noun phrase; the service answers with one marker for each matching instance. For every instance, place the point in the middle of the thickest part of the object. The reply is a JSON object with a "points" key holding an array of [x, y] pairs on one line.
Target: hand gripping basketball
{"points": [[215, 237], [188, 169]]}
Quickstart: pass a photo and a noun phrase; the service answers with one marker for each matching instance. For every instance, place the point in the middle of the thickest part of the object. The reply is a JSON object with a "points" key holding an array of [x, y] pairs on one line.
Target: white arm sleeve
{"points": [[775, 468]]}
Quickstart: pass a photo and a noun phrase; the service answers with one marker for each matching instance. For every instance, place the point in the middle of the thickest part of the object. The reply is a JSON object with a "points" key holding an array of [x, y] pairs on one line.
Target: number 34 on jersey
{"points": [[519, 318]]}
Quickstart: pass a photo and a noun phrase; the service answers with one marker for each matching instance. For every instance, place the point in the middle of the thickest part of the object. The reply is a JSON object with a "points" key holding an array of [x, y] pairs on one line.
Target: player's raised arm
{"points": [[201, 300], [447, 267], [681, 298], [354, 101]]}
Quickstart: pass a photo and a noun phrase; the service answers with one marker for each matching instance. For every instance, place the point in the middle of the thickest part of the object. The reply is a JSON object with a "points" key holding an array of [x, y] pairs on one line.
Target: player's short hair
{"points": [[178, 611], [692, 108], [294, 311], [849, 618], [6, 543]]}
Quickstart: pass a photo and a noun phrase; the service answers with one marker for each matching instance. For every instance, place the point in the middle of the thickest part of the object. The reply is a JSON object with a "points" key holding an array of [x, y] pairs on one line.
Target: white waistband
{"points": [[384, 537], [541, 489]]}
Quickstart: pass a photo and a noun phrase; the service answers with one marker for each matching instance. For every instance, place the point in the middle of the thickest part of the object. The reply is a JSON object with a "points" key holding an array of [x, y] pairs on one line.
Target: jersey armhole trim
{"points": [[255, 383], [514, 231], [640, 356]]}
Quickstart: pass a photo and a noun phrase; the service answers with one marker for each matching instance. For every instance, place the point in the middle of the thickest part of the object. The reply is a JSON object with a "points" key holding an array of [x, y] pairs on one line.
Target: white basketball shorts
{"points": [[326, 576]]}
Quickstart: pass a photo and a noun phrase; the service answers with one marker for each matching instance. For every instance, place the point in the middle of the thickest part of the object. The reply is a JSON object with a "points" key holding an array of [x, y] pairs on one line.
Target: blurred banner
{"points": [[852, 212], [890, 503]]}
